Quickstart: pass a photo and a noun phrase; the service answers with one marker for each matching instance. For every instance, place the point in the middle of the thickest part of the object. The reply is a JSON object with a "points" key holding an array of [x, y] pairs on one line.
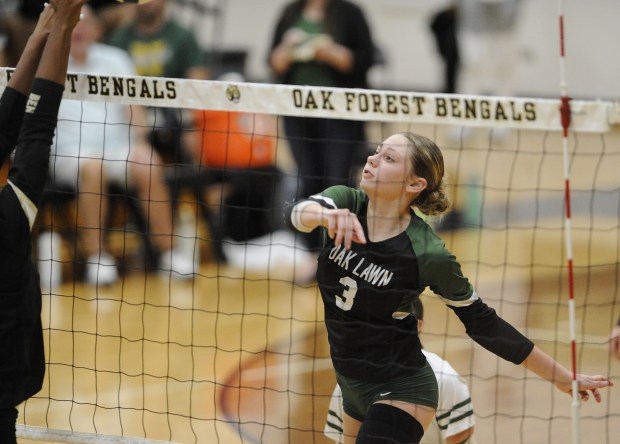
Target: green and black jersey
{"points": [[368, 292]]}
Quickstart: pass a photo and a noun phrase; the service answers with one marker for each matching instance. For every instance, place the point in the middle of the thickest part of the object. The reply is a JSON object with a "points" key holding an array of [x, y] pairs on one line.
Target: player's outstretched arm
{"points": [[547, 368], [29, 172]]}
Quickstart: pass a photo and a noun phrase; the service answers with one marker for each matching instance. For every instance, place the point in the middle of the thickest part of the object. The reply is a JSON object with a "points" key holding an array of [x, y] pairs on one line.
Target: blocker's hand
{"points": [[46, 20], [68, 10]]}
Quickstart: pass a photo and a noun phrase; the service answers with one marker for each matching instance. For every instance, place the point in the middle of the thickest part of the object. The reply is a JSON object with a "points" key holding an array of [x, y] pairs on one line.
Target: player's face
{"points": [[388, 171]]}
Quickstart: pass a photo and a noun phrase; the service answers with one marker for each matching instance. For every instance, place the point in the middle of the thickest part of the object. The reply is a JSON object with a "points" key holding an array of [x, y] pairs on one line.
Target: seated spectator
{"points": [[160, 47], [101, 143], [239, 151]]}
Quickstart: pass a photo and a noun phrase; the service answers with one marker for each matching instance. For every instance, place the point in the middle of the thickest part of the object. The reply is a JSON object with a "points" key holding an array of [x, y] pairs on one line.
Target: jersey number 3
{"points": [[345, 301]]}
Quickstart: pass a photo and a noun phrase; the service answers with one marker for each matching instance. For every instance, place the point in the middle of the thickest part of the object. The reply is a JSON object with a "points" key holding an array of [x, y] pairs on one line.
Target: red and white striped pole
{"points": [[565, 116]]}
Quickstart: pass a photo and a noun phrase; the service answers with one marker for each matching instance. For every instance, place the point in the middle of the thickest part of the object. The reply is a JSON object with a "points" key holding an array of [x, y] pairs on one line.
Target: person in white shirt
{"points": [[98, 143], [489, 45]]}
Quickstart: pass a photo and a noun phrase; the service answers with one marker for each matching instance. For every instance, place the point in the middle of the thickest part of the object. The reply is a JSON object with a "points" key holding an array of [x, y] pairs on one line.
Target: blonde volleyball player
{"points": [[378, 258]]}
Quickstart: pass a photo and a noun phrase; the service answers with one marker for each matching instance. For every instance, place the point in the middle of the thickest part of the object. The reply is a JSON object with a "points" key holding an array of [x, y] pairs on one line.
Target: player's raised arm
{"points": [[22, 368]]}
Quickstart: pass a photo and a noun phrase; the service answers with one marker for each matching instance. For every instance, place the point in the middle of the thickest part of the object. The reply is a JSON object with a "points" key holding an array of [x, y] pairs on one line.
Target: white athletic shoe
{"points": [[177, 265], [101, 269]]}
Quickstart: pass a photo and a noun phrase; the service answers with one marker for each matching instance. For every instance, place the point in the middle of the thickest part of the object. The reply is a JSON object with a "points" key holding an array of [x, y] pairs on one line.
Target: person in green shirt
{"points": [[159, 46], [322, 43]]}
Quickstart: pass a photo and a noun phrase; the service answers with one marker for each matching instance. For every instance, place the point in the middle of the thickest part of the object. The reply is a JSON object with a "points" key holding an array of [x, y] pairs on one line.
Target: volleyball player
{"points": [[29, 122], [454, 421], [379, 257]]}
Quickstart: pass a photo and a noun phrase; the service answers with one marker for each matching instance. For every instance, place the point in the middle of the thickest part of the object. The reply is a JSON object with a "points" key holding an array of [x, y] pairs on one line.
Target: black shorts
{"points": [[419, 388]]}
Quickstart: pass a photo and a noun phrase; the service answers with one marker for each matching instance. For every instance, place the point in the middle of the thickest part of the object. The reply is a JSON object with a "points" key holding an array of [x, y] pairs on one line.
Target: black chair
{"points": [[58, 207]]}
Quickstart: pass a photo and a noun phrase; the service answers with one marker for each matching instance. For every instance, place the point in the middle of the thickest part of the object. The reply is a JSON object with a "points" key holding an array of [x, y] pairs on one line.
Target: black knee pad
{"points": [[387, 424]]}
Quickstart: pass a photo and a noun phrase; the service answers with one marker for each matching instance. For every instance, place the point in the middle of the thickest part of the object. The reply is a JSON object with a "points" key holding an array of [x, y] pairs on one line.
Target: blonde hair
{"points": [[427, 162]]}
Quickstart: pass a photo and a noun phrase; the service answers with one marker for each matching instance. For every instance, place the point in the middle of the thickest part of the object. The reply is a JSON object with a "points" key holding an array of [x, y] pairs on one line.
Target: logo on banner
{"points": [[233, 94]]}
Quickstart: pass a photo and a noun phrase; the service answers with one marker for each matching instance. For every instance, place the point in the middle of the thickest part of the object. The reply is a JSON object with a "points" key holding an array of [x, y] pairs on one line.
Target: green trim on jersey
{"points": [[439, 269]]}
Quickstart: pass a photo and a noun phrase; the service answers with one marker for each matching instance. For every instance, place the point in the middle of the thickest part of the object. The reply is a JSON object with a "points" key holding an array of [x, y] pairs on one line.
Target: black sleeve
{"points": [[14, 238], [29, 170], [12, 106], [485, 327]]}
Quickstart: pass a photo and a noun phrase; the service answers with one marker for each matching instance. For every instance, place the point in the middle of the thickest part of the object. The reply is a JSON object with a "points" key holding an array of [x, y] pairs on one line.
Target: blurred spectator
{"points": [[239, 150], [93, 149], [160, 47], [444, 28], [112, 15], [488, 45], [322, 43]]}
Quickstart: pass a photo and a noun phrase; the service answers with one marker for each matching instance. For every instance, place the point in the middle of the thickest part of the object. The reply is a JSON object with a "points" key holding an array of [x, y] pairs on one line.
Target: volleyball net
{"points": [[238, 353]]}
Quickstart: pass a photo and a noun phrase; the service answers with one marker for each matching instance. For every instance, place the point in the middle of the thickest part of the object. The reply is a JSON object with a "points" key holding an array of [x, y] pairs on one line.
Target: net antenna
{"points": [[565, 116]]}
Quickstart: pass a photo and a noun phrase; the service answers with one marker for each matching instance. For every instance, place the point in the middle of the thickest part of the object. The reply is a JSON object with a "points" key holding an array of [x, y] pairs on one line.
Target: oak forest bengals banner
{"points": [[340, 103]]}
